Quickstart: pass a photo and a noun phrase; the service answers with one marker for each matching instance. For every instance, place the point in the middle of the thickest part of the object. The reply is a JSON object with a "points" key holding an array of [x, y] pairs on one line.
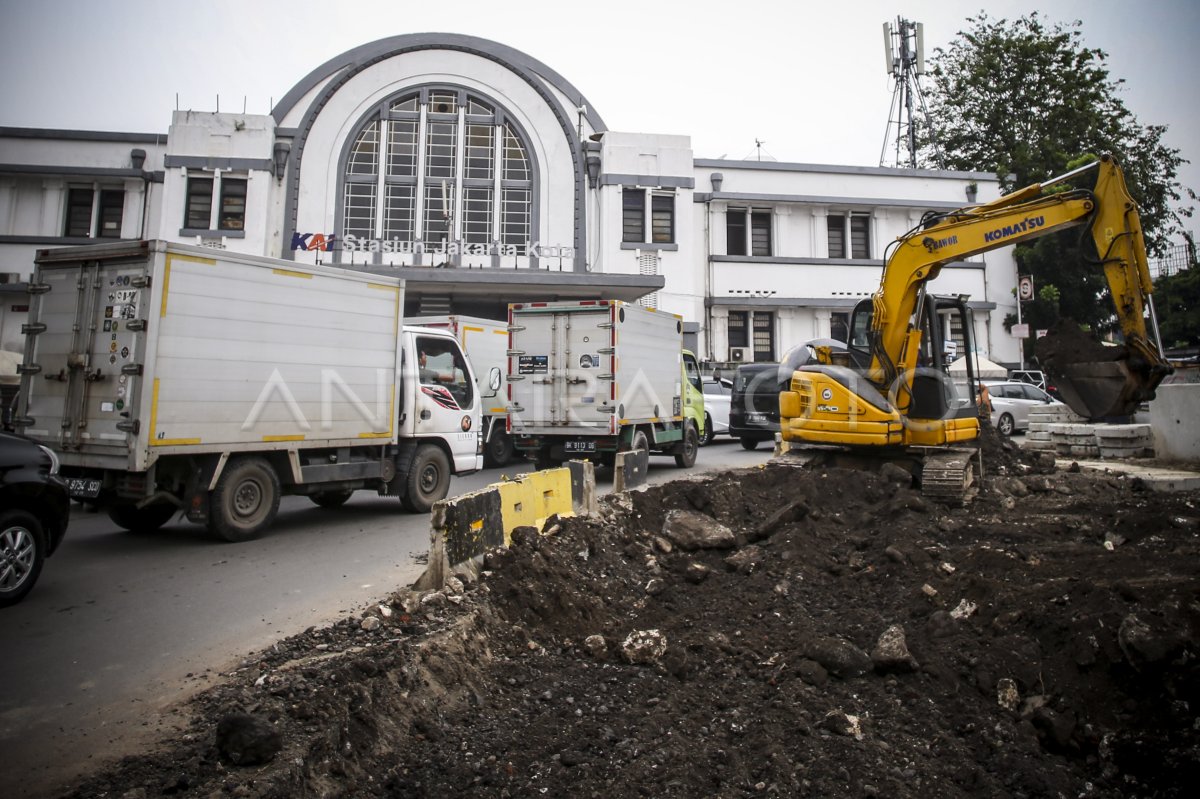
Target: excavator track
{"points": [[949, 476]]}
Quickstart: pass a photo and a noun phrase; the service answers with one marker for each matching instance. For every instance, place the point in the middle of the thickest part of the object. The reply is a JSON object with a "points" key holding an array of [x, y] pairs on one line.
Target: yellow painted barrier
{"points": [[467, 526]]}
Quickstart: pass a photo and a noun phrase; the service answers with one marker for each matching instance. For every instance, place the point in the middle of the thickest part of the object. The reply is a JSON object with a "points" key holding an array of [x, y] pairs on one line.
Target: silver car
{"points": [[716, 408], [1011, 403]]}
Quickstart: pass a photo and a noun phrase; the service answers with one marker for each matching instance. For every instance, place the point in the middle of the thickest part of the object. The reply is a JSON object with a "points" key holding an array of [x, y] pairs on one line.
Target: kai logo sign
{"points": [[312, 242]]}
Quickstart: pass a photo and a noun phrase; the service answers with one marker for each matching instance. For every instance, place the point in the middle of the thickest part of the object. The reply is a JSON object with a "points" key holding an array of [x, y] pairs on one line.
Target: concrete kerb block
{"points": [[631, 470], [464, 528], [1081, 430], [1106, 432], [584, 500]]}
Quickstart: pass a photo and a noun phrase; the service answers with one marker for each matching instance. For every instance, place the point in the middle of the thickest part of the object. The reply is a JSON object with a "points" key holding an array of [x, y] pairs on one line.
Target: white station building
{"points": [[484, 177]]}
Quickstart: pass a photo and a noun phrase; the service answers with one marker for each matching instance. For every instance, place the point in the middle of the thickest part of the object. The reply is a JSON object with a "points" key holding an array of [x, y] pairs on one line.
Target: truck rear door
{"points": [[564, 370], [88, 338]]}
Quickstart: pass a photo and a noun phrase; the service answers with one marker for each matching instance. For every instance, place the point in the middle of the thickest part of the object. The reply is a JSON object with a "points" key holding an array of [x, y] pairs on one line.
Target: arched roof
{"points": [[351, 60]]}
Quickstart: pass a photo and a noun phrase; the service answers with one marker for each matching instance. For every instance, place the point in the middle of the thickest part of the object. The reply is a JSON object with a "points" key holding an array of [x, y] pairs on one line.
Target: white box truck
{"points": [[486, 343], [589, 379], [175, 378]]}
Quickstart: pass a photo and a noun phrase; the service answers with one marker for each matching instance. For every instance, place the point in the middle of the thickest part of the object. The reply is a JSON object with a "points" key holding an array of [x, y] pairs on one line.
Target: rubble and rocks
{"points": [[822, 648]]}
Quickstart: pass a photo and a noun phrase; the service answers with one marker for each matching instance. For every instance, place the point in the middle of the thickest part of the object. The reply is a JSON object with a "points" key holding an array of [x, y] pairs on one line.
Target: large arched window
{"points": [[439, 165]]}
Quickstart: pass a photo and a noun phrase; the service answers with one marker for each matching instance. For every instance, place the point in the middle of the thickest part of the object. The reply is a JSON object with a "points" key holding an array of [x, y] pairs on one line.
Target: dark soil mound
{"points": [[777, 631], [1067, 343]]}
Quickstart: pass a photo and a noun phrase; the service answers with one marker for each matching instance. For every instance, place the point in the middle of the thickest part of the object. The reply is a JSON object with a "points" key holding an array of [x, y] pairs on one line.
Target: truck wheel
{"points": [[331, 499], [749, 443], [691, 444], [498, 451], [245, 500], [129, 517], [640, 441], [707, 437], [22, 553], [428, 479]]}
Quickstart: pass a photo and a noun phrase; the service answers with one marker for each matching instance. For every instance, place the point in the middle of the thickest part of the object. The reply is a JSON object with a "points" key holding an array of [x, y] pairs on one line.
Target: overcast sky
{"points": [[805, 78]]}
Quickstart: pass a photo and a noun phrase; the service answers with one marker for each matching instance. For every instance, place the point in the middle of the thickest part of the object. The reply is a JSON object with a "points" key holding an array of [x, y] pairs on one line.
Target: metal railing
{"points": [[1174, 260]]}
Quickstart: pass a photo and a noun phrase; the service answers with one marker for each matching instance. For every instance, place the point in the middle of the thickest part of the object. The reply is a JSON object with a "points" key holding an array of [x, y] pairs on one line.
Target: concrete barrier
{"points": [[463, 528], [1176, 422], [631, 470]]}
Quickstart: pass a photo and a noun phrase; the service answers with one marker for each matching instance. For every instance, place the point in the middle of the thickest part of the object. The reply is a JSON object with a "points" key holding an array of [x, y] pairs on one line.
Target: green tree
{"points": [[1028, 101], [1023, 99], [1177, 301]]}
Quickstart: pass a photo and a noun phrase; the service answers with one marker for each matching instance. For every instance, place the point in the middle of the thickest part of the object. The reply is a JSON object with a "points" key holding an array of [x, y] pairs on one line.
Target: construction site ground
{"points": [[788, 630]]}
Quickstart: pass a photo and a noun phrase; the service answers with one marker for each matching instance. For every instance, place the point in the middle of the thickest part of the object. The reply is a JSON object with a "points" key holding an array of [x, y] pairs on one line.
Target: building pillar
{"points": [[781, 243], [8, 191], [820, 241], [51, 219], [719, 334], [131, 212], [821, 322]]}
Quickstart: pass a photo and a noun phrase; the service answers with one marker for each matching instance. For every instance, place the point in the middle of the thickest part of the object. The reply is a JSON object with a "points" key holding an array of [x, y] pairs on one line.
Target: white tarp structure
{"points": [[9, 361], [984, 369]]}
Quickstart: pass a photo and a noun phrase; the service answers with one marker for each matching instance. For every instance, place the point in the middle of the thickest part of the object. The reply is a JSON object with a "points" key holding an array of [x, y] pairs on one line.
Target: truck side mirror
{"points": [[494, 379]]}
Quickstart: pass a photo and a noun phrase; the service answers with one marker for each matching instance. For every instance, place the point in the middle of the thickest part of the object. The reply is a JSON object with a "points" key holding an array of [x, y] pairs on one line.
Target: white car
{"points": [[1011, 403], [716, 408]]}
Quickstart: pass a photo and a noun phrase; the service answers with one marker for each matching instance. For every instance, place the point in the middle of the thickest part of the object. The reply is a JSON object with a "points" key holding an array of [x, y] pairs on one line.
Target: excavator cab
{"points": [[934, 390]]}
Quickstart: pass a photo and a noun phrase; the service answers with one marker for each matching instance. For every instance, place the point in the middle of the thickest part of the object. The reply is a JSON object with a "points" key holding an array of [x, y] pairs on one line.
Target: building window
{"points": [[199, 204], [837, 235], [94, 212], [112, 208], [735, 231], [225, 194], [860, 236], [748, 231], [233, 204], [661, 223], [454, 169], [79, 212], [359, 210], [764, 336], [516, 216], [852, 229], [739, 335], [662, 218], [633, 216], [754, 330]]}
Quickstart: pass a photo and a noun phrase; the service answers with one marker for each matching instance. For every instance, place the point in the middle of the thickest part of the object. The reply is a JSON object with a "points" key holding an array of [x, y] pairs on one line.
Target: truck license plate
{"points": [[579, 446], [83, 487]]}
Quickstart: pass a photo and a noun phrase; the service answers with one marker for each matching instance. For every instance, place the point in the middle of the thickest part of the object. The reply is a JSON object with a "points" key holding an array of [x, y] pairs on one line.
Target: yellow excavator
{"points": [[888, 395]]}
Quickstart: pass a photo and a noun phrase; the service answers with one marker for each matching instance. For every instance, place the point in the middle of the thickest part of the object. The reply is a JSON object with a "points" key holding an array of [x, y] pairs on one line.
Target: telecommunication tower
{"points": [[904, 48]]}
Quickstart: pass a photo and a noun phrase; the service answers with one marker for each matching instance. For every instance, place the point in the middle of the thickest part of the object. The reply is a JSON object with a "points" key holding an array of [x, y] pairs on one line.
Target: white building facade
{"points": [[483, 177]]}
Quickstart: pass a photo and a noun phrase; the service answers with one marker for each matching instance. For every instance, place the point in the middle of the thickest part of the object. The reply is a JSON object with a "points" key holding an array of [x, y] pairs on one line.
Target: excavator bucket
{"points": [[1097, 380], [1098, 389]]}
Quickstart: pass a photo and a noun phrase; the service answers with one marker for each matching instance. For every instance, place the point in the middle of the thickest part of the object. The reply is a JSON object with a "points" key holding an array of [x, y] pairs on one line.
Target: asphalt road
{"points": [[121, 627]]}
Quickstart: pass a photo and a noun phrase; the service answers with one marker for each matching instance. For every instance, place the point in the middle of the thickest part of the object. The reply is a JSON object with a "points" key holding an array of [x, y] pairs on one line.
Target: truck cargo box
{"points": [[138, 350], [592, 367]]}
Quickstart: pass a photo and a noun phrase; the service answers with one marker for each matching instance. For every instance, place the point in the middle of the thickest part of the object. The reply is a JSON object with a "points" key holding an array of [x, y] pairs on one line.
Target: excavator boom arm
{"points": [[1023, 215]]}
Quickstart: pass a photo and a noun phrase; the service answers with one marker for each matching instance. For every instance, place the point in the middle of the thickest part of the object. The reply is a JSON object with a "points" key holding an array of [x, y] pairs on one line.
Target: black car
{"points": [[34, 509], [754, 404]]}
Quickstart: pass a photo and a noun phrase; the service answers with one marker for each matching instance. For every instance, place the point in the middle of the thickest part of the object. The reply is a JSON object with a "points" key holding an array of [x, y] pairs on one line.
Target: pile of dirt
{"points": [[778, 631], [1067, 343]]}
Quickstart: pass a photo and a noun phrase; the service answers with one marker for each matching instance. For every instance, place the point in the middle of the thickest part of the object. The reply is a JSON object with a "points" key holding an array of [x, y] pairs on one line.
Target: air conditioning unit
{"points": [[740, 354]]}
